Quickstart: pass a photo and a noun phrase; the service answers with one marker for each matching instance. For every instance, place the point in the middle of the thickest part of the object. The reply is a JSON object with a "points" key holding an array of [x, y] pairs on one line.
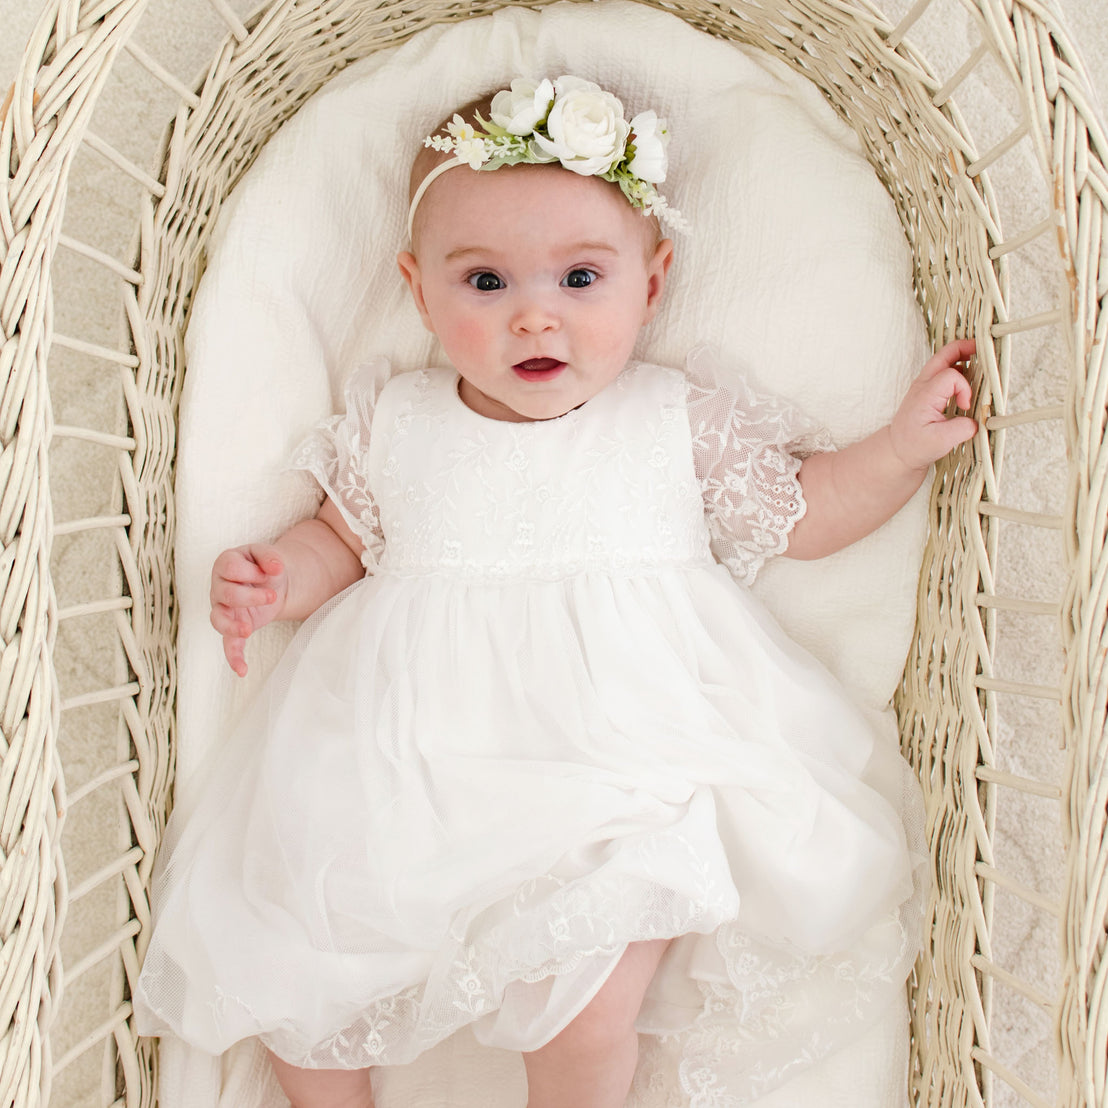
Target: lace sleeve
{"points": [[336, 454], [747, 451]]}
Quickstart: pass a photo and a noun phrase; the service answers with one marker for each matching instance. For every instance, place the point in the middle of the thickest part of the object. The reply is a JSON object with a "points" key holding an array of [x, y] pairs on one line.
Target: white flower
{"points": [[468, 144], [460, 129], [586, 127], [473, 152], [519, 109], [650, 139]]}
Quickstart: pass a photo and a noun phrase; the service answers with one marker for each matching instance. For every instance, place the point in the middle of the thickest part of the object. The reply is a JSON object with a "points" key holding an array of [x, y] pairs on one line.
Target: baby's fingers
{"points": [[231, 622], [948, 384], [960, 350], [267, 560], [230, 594], [951, 432], [248, 565], [234, 650]]}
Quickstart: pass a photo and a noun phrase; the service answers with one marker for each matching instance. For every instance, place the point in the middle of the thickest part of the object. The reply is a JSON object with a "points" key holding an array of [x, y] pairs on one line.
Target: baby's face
{"points": [[536, 282]]}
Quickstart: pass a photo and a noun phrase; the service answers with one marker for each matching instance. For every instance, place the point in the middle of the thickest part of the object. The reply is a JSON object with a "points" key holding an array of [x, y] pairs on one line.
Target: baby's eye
{"points": [[578, 278], [485, 281]]}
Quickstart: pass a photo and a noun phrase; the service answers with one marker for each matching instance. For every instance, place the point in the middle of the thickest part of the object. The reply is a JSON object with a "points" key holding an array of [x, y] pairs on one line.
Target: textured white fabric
{"points": [[796, 272]]}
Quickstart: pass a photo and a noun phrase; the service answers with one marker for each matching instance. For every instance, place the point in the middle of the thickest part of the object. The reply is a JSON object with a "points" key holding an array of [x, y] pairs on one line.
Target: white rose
{"points": [[650, 138], [519, 108], [586, 127]]}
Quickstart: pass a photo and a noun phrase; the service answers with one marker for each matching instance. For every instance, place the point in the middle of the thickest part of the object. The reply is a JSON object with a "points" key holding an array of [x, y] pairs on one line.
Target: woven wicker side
{"points": [[1084, 1013], [51, 101], [1071, 147]]}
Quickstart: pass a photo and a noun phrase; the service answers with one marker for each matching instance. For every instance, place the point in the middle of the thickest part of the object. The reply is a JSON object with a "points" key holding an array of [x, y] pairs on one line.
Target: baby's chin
{"points": [[526, 412]]}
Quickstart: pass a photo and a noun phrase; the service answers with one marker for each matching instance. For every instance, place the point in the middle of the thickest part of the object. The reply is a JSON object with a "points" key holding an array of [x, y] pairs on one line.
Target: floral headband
{"points": [[571, 121]]}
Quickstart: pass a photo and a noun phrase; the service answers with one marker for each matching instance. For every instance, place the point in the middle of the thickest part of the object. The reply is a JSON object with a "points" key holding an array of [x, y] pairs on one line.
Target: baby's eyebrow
{"points": [[465, 252], [590, 247]]}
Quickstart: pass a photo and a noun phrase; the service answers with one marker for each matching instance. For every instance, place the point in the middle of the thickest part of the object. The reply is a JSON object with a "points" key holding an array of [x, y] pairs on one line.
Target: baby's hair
{"points": [[427, 159]]}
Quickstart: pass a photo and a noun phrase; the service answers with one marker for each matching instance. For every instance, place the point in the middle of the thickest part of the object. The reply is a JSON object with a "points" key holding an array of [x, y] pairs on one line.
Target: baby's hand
{"points": [[249, 587], [921, 430]]}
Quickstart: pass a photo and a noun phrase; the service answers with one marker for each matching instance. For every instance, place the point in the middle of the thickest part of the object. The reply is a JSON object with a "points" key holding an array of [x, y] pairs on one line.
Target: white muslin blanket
{"points": [[796, 272]]}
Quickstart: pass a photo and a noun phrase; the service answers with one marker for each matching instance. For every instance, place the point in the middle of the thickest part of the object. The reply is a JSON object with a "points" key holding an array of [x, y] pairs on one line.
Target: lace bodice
{"points": [[659, 469]]}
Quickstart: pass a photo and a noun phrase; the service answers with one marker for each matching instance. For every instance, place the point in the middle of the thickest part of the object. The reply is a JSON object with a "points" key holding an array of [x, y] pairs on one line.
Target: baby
{"points": [[547, 770]]}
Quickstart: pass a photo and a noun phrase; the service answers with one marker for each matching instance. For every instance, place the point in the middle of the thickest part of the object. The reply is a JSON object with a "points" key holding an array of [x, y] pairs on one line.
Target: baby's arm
{"points": [[851, 492], [255, 584]]}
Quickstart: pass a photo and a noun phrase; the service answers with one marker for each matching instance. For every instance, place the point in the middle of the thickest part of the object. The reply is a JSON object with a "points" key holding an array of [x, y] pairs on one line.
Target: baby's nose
{"points": [[533, 316]]}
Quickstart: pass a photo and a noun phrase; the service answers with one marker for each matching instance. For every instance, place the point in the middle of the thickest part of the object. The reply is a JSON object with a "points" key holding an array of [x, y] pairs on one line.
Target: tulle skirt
{"points": [[457, 802]]}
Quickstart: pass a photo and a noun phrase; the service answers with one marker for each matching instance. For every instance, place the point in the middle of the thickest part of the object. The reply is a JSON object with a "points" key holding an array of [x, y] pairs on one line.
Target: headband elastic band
{"points": [[435, 173]]}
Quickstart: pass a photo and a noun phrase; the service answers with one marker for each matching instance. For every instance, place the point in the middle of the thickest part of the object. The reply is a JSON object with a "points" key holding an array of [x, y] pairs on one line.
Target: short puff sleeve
{"points": [[747, 451], [336, 454]]}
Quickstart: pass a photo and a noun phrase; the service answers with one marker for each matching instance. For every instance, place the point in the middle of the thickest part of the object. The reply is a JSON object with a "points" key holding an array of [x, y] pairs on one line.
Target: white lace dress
{"points": [[547, 724]]}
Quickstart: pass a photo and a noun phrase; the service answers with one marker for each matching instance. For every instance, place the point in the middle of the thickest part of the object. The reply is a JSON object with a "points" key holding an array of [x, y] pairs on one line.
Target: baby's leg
{"points": [[592, 1062], [323, 1088]]}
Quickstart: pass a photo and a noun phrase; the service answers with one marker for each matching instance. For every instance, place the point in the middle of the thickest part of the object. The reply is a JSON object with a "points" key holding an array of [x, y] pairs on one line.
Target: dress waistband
{"points": [[510, 572]]}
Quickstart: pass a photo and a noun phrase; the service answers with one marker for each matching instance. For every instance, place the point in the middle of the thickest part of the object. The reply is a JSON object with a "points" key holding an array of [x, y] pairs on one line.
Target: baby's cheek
{"points": [[616, 337], [466, 336]]}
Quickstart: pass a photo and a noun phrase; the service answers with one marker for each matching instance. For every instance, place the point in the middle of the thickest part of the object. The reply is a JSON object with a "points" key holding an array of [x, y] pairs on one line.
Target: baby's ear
{"points": [[409, 270], [657, 268]]}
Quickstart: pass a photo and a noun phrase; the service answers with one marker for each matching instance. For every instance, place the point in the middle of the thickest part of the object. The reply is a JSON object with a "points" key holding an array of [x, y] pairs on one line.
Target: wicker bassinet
{"points": [[87, 676]]}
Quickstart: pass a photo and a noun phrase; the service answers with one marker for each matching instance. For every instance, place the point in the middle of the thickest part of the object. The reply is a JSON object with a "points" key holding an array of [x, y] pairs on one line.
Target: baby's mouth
{"points": [[539, 369]]}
